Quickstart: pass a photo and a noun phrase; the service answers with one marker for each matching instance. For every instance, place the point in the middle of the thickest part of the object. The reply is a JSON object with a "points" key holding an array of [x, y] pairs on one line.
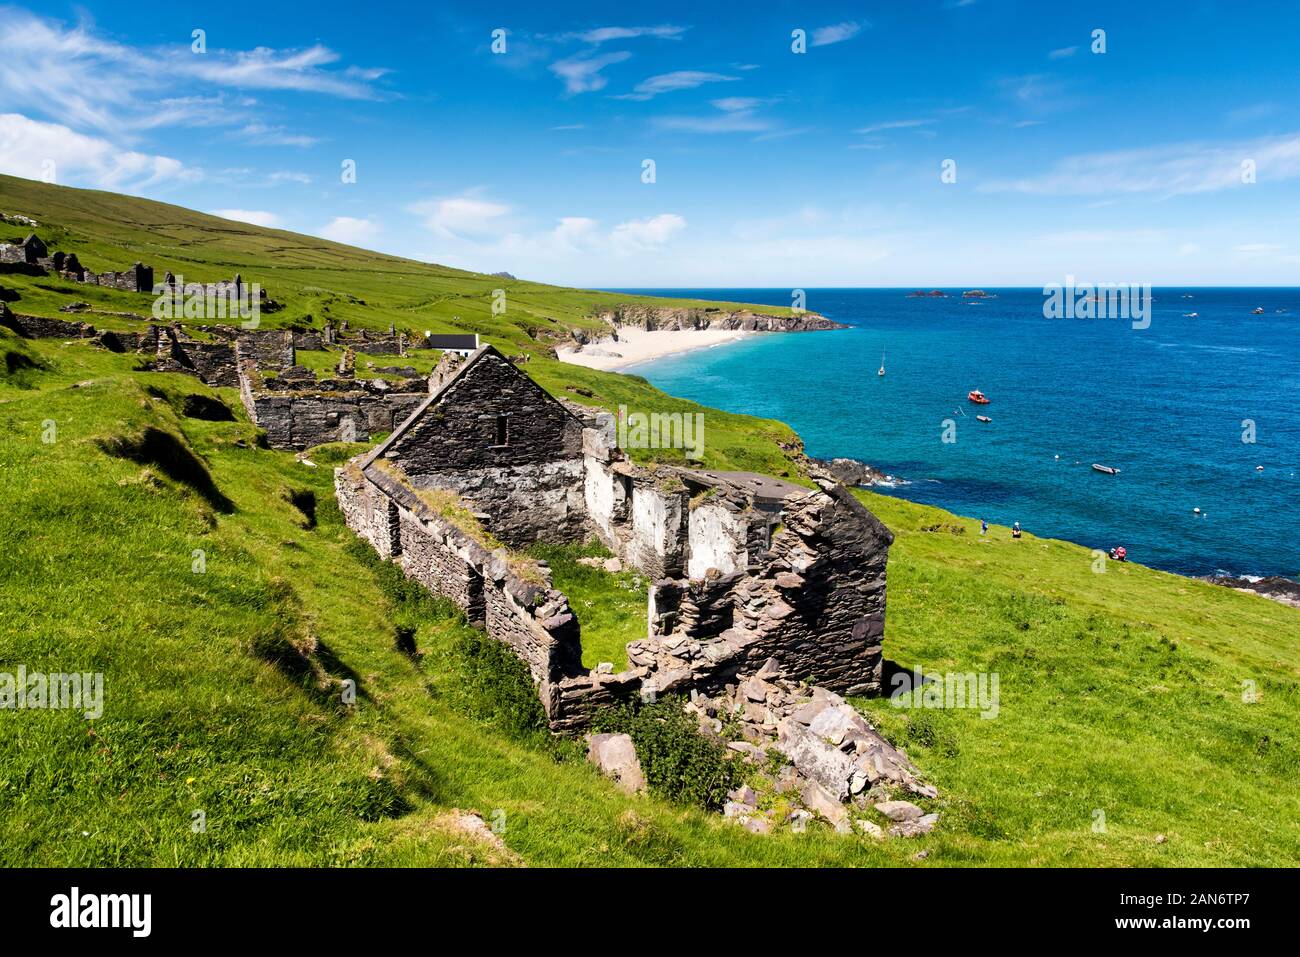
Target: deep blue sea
{"points": [[1165, 405]]}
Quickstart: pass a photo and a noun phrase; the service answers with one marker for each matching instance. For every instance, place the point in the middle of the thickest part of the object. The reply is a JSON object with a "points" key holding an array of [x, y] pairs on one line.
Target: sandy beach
{"points": [[637, 345]]}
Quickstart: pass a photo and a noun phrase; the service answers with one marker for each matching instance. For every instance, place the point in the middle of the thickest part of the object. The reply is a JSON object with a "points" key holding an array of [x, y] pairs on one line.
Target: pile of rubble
{"points": [[811, 754]]}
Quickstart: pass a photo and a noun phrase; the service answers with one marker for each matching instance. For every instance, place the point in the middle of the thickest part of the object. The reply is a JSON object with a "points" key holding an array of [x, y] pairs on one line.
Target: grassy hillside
{"points": [[317, 280], [1120, 692]]}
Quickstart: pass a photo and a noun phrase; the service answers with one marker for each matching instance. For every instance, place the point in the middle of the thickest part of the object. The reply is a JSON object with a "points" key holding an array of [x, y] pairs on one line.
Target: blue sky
{"points": [[772, 168]]}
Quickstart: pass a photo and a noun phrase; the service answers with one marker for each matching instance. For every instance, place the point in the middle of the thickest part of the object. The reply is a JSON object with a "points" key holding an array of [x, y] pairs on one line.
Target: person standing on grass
{"points": [[984, 526], [1015, 530]]}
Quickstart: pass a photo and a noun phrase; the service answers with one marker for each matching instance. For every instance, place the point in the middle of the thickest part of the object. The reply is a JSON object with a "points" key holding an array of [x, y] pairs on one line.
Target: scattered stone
{"points": [[615, 755], [899, 810], [824, 803], [799, 818], [920, 855], [605, 668], [870, 829], [613, 565], [1160, 839], [744, 795], [916, 827]]}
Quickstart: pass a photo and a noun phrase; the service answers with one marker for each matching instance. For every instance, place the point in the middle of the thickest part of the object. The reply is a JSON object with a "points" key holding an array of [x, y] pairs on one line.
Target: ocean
{"points": [[1186, 409]]}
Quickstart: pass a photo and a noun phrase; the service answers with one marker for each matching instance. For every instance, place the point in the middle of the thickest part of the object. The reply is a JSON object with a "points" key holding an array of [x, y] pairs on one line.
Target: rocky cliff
{"points": [[649, 318]]}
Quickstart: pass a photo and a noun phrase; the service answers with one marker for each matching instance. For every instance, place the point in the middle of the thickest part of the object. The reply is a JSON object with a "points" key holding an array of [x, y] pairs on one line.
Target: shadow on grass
{"points": [[173, 457]]}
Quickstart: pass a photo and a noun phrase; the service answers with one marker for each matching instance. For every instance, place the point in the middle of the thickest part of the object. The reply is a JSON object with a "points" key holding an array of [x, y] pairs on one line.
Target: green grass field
{"points": [[188, 565]]}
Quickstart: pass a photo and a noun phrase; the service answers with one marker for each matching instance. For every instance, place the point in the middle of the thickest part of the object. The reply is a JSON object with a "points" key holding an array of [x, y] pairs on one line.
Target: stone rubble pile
{"points": [[838, 766], [810, 754]]}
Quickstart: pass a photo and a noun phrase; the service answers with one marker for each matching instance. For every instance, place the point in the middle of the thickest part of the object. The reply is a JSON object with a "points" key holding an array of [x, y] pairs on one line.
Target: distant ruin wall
{"points": [[303, 418]]}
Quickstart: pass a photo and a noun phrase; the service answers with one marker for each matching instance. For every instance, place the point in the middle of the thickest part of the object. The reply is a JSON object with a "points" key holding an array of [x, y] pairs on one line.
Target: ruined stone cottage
{"points": [[746, 569]]}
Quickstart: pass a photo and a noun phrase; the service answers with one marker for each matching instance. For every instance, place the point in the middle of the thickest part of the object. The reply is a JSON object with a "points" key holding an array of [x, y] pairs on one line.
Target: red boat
{"points": [[978, 397]]}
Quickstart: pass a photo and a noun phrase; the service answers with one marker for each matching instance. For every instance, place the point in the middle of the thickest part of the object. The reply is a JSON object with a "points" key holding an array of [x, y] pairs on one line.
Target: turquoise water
{"points": [[1165, 405]]}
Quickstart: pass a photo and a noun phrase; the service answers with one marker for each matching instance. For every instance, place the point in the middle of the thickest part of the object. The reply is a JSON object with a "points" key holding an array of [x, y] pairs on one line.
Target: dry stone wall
{"points": [[529, 615]]}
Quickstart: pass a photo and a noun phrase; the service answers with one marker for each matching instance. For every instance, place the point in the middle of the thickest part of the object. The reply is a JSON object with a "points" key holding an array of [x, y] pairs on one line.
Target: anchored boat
{"points": [[1105, 468], [978, 397]]}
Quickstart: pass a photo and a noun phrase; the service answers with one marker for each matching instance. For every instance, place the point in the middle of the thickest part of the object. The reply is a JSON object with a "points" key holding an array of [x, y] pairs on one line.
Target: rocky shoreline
{"points": [[1276, 588], [853, 473], [655, 319]]}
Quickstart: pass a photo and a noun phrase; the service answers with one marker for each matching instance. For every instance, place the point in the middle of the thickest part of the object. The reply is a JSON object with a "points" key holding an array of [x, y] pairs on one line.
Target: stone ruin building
{"points": [[767, 599], [33, 257], [745, 568]]}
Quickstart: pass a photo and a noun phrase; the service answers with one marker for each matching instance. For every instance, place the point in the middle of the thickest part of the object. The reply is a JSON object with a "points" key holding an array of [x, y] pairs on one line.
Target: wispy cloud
{"points": [[1036, 92], [668, 82], [263, 135], [1164, 170], [289, 176], [1062, 53], [601, 35], [733, 103], [82, 79], [258, 217], [836, 33], [895, 125], [582, 74]]}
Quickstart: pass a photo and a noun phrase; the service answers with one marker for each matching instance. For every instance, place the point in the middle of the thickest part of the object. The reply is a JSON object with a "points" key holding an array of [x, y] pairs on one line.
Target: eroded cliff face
{"points": [[648, 318]]}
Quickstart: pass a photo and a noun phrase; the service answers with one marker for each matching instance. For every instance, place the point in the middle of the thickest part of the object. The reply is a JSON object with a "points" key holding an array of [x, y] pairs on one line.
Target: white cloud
{"points": [[582, 74], [1063, 53], [262, 135], [464, 217], [604, 34], [82, 79], [346, 229], [894, 125], [736, 121], [258, 217], [575, 232], [646, 235], [668, 82], [27, 146], [1169, 170], [836, 33], [476, 232], [734, 103]]}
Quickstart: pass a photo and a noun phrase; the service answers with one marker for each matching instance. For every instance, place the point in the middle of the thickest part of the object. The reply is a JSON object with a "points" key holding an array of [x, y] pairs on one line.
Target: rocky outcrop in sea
{"points": [[851, 472]]}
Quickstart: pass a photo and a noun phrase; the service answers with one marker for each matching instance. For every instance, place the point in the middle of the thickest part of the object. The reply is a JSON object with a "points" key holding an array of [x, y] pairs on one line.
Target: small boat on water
{"points": [[1257, 311], [882, 363], [1105, 468], [982, 418], [978, 397]]}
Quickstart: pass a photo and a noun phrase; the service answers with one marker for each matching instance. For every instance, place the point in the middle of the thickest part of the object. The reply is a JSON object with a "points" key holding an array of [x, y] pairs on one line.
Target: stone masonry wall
{"points": [[530, 616], [460, 432]]}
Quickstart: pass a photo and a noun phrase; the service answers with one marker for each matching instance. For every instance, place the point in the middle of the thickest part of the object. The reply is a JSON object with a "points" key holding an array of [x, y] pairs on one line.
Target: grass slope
{"points": [[317, 280], [1121, 693]]}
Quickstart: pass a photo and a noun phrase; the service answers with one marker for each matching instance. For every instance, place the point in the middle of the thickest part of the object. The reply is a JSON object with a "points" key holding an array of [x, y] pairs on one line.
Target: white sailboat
{"points": [[882, 363]]}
